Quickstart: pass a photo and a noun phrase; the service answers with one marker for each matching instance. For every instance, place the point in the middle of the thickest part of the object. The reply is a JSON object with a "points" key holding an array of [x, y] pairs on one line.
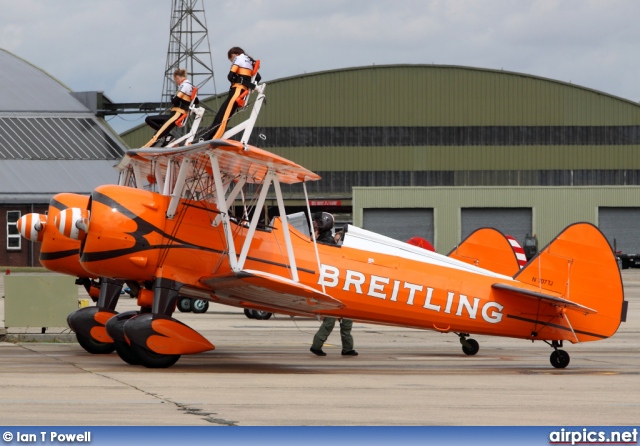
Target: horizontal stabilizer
{"points": [[271, 291], [553, 300]]}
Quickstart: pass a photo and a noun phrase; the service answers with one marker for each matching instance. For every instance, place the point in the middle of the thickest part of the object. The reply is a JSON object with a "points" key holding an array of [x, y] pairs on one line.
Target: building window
{"points": [[14, 241]]}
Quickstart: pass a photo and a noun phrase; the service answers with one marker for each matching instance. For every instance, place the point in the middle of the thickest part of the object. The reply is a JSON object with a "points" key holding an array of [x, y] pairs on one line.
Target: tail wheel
{"points": [[153, 360], [199, 306], [249, 313], [185, 305], [471, 347], [126, 353], [95, 347], [559, 359]]}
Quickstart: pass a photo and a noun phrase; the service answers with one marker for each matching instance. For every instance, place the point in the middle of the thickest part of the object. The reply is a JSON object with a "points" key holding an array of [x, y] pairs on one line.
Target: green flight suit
{"points": [[325, 330]]}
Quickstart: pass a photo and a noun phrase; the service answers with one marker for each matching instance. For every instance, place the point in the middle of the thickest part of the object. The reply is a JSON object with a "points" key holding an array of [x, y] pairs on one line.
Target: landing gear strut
{"points": [[140, 328], [469, 346], [559, 358]]}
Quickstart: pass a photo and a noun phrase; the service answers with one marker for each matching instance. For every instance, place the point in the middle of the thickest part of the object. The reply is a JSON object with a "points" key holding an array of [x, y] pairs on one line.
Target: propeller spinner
{"points": [[73, 223]]}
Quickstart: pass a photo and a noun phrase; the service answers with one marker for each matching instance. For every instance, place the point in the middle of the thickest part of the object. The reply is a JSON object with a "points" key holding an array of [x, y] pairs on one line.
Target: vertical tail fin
{"points": [[490, 249], [580, 265]]}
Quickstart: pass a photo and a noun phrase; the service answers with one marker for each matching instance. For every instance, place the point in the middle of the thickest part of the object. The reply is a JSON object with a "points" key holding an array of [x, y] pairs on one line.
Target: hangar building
{"points": [[50, 142], [438, 151]]}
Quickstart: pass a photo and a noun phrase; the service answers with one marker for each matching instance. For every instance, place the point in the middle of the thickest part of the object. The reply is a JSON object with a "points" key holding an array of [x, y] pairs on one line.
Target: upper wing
{"points": [[234, 160], [270, 291]]}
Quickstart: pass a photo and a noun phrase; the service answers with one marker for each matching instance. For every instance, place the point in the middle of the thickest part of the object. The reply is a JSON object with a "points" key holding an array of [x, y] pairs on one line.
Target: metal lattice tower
{"points": [[189, 48]]}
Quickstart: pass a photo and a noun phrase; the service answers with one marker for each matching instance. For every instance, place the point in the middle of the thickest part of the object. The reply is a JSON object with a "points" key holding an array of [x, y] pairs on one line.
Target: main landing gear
{"points": [[186, 305], [88, 323], [257, 314], [469, 346], [152, 337], [559, 358]]}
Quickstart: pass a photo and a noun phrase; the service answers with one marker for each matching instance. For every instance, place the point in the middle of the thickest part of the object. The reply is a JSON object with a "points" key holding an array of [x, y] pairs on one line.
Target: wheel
{"points": [[126, 353], [95, 347], [153, 360], [559, 359], [472, 348], [185, 305], [199, 306], [262, 315], [249, 313]]}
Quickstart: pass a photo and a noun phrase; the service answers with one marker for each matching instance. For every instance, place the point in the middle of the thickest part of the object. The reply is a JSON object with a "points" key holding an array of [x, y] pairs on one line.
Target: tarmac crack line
{"points": [[206, 416]]}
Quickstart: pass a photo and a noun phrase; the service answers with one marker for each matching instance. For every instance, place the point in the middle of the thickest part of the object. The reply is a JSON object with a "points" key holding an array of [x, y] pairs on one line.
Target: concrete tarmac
{"points": [[262, 373]]}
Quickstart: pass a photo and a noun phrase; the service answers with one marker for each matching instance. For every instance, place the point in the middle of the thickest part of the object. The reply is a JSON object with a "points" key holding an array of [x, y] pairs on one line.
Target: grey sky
{"points": [[119, 46]]}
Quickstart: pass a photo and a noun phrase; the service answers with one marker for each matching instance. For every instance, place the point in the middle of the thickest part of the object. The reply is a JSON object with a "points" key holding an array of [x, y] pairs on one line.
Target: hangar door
{"points": [[400, 224], [515, 222], [621, 225]]}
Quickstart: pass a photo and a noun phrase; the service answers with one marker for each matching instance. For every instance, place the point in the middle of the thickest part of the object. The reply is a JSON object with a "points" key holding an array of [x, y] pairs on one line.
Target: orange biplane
{"points": [[185, 241], [187, 222]]}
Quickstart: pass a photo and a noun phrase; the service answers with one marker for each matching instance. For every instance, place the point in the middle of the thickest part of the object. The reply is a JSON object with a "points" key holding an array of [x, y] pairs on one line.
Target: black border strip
{"points": [[534, 321]]}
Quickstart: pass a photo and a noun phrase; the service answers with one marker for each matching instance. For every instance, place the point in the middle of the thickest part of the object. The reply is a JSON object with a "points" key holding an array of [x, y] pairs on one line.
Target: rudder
{"points": [[580, 265]]}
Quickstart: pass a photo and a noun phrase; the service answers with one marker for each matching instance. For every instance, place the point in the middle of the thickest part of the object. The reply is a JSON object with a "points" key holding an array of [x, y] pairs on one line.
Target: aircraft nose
{"points": [[73, 223], [31, 226]]}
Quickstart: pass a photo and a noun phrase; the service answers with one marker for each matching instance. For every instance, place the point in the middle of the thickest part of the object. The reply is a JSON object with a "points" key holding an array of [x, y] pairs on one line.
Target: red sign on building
{"points": [[325, 202]]}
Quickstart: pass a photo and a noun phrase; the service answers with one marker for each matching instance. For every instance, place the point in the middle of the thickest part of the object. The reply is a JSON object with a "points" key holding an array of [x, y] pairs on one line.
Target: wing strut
{"points": [[313, 233], [237, 262], [168, 178], [137, 176], [185, 169], [254, 221], [231, 198], [157, 172], [571, 327], [221, 203], [285, 228]]}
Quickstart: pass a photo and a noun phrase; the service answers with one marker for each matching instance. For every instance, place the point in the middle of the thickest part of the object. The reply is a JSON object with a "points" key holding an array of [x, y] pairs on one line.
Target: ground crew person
{"points": [[322, 225], [163, 124], [242, 70], [325, 330]]}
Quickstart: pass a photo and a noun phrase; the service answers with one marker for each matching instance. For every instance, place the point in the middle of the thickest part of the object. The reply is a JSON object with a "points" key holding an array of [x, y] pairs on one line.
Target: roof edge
{"points": [[461, 67], [37, 68]]}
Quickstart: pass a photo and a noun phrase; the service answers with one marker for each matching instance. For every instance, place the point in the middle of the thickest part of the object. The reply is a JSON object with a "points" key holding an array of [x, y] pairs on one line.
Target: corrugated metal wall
{"points": [[515, 222], [621, 227], [433, 95], [401, 224], [553, 208], [468, 158]]}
